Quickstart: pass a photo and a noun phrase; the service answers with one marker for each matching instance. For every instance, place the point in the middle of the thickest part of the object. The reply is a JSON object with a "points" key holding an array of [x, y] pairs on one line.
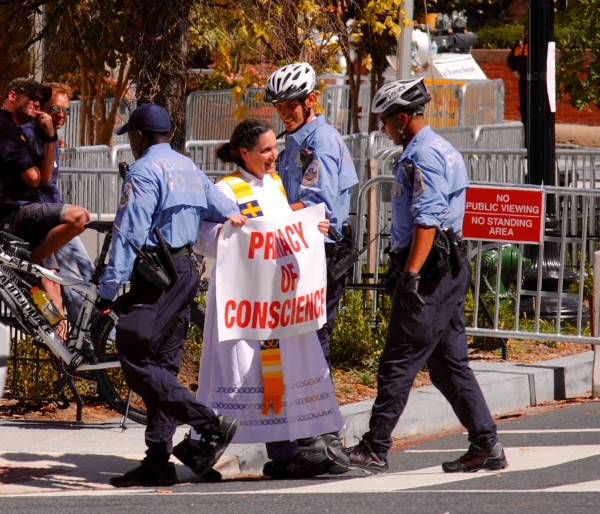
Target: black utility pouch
{"points": [[150, 269], [458, 248], [164, 256], [344, 255]]}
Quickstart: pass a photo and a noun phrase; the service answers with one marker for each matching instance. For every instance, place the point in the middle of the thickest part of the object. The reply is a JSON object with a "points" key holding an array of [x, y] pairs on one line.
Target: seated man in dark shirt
{"points": [[47, 226]]}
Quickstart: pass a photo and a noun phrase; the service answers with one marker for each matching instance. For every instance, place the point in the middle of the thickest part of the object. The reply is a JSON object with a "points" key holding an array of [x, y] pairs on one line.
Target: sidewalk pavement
{"points": [[42, 457]]}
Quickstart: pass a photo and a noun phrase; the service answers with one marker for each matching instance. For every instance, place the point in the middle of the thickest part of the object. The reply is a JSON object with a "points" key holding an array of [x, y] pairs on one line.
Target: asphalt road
{"points": [[554, 467]]}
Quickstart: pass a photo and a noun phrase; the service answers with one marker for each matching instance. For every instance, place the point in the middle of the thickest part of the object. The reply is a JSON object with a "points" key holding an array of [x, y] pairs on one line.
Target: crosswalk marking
{"points": [[519, 459], [414, 481]]}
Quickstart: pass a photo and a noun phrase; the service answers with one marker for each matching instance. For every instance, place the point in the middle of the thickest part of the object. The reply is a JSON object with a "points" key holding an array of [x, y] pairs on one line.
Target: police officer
{"points": [[315, 165], [427, 323], [164, 197]]}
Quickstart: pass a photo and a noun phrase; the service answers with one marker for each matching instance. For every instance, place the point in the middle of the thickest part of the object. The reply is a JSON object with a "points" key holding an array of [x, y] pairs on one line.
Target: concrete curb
{"points": [[506, 386], [91, 453]]}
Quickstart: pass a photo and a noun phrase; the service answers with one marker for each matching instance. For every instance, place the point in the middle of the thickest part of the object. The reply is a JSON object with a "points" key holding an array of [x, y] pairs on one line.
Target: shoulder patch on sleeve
{"points": [[127, 189], [311, 175], [419, 187]]}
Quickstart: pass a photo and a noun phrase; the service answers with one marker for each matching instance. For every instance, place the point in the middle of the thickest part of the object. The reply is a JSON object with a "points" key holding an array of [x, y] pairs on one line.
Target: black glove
{"points": [[408, 292], [103, 305]]}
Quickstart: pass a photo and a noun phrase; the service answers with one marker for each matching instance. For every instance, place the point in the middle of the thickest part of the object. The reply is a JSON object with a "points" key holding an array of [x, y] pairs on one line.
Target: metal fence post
{"points": [[595, 318]]}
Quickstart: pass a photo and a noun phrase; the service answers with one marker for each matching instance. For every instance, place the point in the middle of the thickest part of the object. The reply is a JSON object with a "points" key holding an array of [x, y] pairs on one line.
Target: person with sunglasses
{"points": [[46, 226], [72, 258]]}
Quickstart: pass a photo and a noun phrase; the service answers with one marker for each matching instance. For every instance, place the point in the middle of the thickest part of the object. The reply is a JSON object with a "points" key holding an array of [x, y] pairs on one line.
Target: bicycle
{"points": [[89, 348]]}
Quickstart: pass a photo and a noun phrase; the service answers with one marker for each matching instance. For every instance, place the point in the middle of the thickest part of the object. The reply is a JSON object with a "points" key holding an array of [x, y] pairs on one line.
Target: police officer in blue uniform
{"points": [[427, 323], [315, 165], [164, 197]]}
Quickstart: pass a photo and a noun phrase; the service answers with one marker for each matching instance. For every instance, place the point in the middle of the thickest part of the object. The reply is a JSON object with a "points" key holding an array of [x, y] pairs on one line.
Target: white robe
{"points": [[230, 379]]}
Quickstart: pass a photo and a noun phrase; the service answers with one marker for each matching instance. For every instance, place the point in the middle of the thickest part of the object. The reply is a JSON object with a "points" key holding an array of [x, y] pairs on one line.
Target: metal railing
{"points": [[212, 115]]}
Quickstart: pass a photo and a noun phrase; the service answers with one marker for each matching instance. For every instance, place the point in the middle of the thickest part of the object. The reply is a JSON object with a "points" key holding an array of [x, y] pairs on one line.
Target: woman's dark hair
{"points": [[245, 135]]}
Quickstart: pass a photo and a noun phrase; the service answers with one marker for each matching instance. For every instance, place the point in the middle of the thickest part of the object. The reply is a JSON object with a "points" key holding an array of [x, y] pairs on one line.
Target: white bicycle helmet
{"points": [[291, 81], [402, 95]]}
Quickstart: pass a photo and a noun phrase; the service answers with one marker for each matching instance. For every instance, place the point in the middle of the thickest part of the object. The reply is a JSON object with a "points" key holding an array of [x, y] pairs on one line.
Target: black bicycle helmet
{"points": [[290, 82], [408, 96]]}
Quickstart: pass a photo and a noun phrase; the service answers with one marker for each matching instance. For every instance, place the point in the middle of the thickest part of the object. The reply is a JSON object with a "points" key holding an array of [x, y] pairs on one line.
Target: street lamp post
{"points": [[541, 162]]}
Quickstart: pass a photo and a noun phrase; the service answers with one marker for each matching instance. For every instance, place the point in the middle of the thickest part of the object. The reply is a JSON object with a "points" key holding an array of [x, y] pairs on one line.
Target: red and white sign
{"points": [[271, 277], [508, 214]]}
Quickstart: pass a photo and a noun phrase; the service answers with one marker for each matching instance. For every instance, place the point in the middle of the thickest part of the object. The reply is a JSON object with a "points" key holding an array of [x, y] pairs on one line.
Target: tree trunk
{"points": [[160, 60]]}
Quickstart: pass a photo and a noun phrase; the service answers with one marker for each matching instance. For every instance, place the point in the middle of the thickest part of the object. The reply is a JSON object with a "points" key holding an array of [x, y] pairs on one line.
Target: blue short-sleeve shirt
{"points": [[429, 187], [328, 178]]}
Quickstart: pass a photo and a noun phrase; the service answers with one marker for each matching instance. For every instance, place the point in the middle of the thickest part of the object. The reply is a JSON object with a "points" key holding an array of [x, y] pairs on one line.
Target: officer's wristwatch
{"points": [[51, 139]]}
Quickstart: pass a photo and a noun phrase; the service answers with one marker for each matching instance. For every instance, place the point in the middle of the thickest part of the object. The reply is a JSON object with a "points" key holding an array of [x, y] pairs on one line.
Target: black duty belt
{"points": [[173, 252]]}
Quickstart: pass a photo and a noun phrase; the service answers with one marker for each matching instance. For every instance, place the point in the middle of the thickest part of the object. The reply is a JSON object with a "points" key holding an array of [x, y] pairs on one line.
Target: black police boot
{"points": [[477, 458], [147, 475], [187, 451], [295, 467], [212, 445], [326, 449]]}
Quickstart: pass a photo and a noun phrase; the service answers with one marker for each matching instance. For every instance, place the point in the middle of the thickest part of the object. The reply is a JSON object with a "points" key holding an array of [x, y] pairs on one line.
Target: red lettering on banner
{"points": [[269, 246], [274, 309], [244, 313], [259, 316], [285, 318], [300, 309], [229, 319], [256, 241], [271, 315], [289, 230], [277, 243], [299, 231]]}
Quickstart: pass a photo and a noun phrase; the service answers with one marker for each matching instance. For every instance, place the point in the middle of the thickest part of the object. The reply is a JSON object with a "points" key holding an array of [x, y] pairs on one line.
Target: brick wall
{"points": [[493, 64]]}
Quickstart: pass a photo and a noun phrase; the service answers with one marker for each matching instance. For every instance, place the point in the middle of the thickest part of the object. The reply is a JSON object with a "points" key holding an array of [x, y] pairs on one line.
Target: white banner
{"points": [[271, 277]]}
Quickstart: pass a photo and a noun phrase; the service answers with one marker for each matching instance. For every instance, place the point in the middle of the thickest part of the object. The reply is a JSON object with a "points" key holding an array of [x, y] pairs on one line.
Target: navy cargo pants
{"points": [[435, 337], [150, 336]]}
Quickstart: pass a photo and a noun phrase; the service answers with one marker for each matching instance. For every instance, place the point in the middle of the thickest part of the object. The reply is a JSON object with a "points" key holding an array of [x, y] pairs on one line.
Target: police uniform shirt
{"points": [[162, 189], [48, 192], [328, 178], [14, 160], [429, 188]]}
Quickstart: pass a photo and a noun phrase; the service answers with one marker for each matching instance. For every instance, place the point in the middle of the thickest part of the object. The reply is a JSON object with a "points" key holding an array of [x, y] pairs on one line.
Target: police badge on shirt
{"points": [[311, 174]]}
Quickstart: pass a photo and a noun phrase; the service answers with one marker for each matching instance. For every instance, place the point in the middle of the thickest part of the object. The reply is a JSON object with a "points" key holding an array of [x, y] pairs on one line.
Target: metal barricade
{"points": [[378, 141], [508, 166], [98, 190], [86, 157], [258, 108], [459, 137], [210, 115], [482, 103], [500, 135], [69, 132], [541, 296], [204, 156], [121, 153]]}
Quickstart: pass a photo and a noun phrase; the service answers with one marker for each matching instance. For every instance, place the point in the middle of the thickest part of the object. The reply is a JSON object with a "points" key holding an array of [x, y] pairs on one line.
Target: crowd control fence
{"points": [[518, 290]]}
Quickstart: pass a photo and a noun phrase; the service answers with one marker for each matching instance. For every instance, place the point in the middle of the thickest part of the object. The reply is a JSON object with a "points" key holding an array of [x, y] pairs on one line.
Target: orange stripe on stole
{"points": [[272, 375]]}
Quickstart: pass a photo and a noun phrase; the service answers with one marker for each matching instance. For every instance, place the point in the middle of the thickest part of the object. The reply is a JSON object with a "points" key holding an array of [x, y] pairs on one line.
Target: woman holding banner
{"points": [[280, 390]]}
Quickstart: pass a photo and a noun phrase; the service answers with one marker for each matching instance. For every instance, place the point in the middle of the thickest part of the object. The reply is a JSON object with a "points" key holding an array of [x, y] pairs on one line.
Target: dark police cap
{"points": [[30, 88], [149, 118]]}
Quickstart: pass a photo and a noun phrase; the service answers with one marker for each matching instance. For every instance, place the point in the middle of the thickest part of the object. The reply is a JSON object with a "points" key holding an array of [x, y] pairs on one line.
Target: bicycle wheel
{"points": [[111, 383]]}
